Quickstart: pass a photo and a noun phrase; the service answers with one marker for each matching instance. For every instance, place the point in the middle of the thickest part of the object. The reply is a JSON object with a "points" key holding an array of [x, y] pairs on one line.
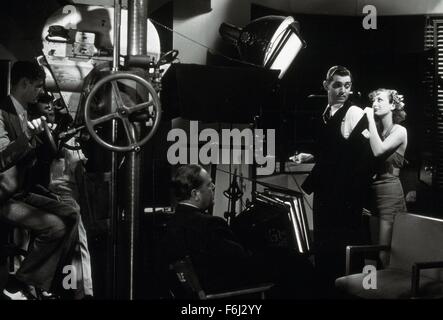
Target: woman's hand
{"points": [[369, 112]]}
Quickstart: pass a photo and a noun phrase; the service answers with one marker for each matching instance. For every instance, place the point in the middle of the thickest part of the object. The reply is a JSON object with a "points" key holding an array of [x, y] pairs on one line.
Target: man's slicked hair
{"points": [[30, 70], [337, 70], [186, 178]]}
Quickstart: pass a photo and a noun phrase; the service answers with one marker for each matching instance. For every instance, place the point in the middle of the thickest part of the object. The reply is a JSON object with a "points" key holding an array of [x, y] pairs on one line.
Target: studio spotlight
{"points": [[272, 42]]}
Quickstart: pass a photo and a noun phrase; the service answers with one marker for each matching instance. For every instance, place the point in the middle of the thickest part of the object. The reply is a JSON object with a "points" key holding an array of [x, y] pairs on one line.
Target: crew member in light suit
{"points": [[52, 224]]}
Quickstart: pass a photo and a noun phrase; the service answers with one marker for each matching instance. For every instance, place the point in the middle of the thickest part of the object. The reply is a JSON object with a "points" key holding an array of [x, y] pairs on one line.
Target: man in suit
{"points": [[340, 176], [220, 260], [52, 224], [207, 239]]}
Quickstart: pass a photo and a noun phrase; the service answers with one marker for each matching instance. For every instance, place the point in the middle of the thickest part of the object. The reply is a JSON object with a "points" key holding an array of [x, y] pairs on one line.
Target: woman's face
{"points": [[381, 104]]}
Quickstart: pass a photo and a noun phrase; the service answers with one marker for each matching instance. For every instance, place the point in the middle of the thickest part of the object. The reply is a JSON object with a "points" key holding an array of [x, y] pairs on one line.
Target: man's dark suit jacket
{"points": [[15, 151], [221, 262], [218, 258]]}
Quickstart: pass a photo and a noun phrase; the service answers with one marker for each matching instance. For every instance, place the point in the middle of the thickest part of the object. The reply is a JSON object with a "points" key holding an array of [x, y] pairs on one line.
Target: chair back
{"points": [[417, 238], [185, 273]]}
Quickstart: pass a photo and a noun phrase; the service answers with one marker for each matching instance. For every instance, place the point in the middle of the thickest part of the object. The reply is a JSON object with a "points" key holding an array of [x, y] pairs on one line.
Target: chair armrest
{"points": [[364, 248], [233, 293], [415, 278]]}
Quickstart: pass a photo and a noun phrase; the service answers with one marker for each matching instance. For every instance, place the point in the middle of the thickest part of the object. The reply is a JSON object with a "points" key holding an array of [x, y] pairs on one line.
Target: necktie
{"points": [[327, 115], [24, 120]]}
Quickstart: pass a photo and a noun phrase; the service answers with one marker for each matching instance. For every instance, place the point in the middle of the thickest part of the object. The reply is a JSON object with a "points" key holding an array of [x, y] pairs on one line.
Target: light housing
{"points": [[272, 42]]}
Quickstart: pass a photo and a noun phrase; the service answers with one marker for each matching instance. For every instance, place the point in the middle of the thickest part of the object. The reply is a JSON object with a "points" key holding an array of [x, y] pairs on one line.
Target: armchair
{"points": [[416, 262]]}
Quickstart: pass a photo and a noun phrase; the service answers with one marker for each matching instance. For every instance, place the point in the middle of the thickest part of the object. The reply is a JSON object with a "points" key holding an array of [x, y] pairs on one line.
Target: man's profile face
{"points": [[338, 89], [206, 191], [33, 89]]}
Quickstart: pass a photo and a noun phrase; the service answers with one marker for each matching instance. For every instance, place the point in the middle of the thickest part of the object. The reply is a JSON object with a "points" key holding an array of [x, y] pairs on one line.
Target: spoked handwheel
{"points": [[124, 112]]}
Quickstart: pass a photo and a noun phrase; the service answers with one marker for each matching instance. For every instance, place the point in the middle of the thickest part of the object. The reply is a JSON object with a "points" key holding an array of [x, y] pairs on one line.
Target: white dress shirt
{"points": [[352, 117]]}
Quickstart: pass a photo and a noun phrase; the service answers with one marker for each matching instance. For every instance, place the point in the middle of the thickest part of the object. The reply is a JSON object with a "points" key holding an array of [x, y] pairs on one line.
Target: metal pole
{"points": [[134, 212], [137, 35], [114, 219], [114, 216], [137, 27], [117, 24]]}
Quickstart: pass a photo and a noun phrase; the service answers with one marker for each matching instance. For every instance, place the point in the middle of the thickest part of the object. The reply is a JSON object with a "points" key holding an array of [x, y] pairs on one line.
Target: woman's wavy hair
{"points": [[398, 114]]}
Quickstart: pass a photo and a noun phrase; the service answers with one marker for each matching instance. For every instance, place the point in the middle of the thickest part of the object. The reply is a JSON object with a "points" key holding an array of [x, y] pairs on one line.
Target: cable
{"points": [[121, 162], [46, 64], [213, 51], [267, 184]]}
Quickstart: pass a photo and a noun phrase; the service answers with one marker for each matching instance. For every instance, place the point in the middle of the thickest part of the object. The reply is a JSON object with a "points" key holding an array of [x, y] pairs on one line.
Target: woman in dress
{"points": [[388, 140]]}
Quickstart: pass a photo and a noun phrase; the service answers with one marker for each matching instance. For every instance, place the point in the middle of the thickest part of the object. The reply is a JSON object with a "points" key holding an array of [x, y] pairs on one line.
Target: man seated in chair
{"points": [[220, 261], [52, 224], [213, 248]]}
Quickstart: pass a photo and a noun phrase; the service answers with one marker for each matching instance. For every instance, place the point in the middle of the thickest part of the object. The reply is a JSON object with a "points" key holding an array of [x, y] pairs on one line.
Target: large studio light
{"points": [[272, 42]]}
